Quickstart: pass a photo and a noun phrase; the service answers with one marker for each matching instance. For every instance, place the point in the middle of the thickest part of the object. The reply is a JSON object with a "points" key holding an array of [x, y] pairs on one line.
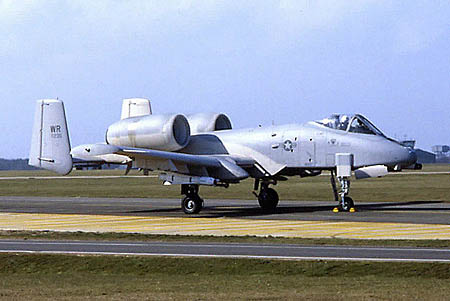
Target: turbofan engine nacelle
{"points": [[209, 122], [159, 132]]}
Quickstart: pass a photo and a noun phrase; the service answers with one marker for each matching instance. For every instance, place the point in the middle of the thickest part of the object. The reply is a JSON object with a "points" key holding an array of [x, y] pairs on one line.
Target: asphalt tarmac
{"points": [[228, 250], [420, 212]]}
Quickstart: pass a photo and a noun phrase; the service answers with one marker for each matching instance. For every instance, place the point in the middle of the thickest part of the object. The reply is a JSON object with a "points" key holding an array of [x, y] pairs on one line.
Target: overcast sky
{"points": [[258, 61]]}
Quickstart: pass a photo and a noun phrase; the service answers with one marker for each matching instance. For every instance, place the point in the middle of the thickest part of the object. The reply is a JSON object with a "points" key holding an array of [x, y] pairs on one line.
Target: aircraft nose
{"points": [[412, 157], [407, 156], [404, 156]]}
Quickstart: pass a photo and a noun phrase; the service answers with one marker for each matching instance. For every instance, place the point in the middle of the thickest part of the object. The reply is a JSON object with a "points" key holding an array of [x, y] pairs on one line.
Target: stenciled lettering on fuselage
{"points": [[55, 131]]}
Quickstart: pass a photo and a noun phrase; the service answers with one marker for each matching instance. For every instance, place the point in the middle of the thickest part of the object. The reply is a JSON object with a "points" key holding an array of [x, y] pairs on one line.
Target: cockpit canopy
{"points": [[351, 123]]}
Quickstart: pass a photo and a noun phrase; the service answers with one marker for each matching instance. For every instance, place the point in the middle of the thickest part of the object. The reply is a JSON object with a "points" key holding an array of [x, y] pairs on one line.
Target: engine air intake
{"points": [[209, 122], [181, 130]]}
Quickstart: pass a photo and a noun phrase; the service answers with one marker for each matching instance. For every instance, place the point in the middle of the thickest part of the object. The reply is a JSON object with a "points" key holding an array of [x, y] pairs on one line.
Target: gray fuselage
{"points": [[301, 146]]}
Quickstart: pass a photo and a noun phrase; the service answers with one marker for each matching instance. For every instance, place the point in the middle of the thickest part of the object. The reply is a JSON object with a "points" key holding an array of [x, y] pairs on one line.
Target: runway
{"points": [[418, 212], [408, 220], [228, 250]]}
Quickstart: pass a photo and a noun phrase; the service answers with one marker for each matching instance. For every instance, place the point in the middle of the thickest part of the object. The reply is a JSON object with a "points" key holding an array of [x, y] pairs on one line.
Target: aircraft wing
{"points": [[149, 154], [223, 167]]}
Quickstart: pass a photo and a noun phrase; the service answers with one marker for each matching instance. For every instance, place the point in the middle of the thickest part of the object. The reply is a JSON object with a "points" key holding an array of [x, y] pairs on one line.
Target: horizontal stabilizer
{"points": [[100, 153], [50, 144]]}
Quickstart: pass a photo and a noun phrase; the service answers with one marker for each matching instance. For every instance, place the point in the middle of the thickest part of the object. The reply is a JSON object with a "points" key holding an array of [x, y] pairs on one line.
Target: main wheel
{"points": [[347, 204], [192, 204], [268, 199]]}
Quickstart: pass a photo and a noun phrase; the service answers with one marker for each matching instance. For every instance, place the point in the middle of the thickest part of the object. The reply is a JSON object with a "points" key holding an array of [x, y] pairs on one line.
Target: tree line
{"points": [[15, 164]]}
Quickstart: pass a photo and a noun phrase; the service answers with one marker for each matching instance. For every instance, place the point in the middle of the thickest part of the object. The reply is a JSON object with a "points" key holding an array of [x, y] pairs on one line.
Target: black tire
{"points": [[192, 204], [347, 204], [268, 199]]}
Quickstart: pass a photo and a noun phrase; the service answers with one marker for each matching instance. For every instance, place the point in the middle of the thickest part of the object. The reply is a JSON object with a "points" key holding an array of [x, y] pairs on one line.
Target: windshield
{"points": [[336, 121], [351, 123]]}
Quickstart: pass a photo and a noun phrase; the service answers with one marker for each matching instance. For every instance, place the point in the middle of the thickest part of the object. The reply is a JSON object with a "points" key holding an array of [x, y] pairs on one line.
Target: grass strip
{"points": [[51, 235], [411, 187], [142, 265], [45, 277]]}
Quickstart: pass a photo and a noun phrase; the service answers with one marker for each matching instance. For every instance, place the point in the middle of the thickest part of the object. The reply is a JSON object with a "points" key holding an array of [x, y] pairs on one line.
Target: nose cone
{"points": [[397, 154], [408, 157], [412, 156]]}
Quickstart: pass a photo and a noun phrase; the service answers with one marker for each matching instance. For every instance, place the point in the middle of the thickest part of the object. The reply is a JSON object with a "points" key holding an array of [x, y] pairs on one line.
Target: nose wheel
{"points": [[347, 204]]}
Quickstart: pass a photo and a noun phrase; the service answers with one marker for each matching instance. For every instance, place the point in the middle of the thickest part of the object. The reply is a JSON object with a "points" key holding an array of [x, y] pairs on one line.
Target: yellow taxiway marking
{"points": [[220, 226]]}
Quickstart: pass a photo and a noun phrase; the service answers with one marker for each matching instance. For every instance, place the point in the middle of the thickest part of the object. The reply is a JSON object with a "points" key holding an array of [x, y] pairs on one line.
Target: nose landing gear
{"points": [[345, 202]]}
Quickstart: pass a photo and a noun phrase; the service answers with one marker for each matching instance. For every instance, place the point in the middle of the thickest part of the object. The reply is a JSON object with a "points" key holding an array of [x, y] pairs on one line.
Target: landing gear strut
{"points": [[191, 203], [345, 202], [267, 197]]}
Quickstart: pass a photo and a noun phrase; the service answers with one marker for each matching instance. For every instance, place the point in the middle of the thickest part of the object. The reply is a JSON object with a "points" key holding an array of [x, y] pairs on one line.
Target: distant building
{"points": [[442, 153], [409, 143], [423, 157], [440, 149]]}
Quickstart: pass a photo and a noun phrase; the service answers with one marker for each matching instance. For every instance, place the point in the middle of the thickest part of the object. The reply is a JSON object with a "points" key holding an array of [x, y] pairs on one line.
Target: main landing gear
{"points": [[191, 203], [345, 202], [267, 197]]}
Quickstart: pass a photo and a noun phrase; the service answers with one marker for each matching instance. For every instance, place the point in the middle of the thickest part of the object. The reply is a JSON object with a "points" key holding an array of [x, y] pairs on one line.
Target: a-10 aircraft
{"points": [[203, 149]]}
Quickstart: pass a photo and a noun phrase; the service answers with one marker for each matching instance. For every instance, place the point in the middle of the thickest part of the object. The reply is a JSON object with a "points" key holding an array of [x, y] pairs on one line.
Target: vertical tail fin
{"points": [[50, 144], [135, 107]]}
